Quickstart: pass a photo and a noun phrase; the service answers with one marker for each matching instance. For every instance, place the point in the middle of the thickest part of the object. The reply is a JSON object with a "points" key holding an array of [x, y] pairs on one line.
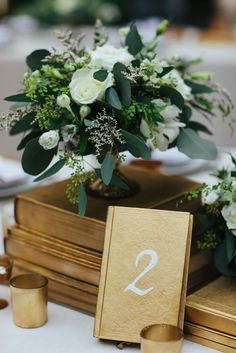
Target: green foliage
{"points": [[174, 96], [21, 97], [198, 88], [100, 75], [24, 124], [191, 144], [133, 40], [123, 83], [52, 170], [113, 98], [34, 60], [82, 200], [35, 159], [107, 168], [136, 145]]}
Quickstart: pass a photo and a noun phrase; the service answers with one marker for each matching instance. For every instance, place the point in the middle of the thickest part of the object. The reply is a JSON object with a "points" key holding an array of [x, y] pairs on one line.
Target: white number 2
{"points": [[153, 261]]}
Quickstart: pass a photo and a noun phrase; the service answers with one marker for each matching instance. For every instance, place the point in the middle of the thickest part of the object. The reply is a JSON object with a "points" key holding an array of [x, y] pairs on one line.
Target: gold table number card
{"points": [[144, 271]]}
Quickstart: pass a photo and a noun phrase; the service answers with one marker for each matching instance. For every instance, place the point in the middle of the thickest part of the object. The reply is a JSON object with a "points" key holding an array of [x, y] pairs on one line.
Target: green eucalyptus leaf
{"points": [[107, 168], [233, 174], [195, 125], [82, 200], [83, 143], [166, 70], [133, 40], [221, 261], [175, 97], [34, 60], [113, 98], [35, 158], [195, 147], [198, 88], [88, 122], [52, 170], [186, 115], [230, 245], [123, 83], [33, 134], [21, 97], [115, 180], [100, 75], [23, 124], [136, 145]]}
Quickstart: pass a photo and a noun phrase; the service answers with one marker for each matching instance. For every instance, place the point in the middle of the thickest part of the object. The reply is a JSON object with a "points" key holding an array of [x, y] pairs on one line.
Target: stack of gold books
{"points": [[211, 315], [52, 239]]}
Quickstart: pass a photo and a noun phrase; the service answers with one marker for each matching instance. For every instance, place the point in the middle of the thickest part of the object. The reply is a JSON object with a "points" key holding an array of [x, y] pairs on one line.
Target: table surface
{"points": [[68, 330]]}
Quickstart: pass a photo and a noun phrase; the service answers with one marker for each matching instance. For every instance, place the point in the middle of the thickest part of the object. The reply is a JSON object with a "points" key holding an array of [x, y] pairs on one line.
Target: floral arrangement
{"points": [[71, 12], [216, 219], [106, 100]]}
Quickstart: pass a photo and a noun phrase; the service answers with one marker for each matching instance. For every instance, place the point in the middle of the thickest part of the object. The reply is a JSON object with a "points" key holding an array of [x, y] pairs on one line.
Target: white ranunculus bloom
{"points": [[49, 140], [229, 214], [84, 89], [181, 87], [107, 55], [68, 132]]}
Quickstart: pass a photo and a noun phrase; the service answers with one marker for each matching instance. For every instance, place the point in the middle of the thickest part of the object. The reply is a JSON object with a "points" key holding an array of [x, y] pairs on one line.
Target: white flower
{"points": [[229, 214], [63, 101], [107, 55], [151, 67], [108, 12], [84, 89], [68, 132], [84, 111], [165, 132], [49, 140], [169, 111], [180, 86]]}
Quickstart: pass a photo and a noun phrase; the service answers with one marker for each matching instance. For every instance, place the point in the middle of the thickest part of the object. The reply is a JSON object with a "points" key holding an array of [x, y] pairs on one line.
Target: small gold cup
{"points": [[161, 338], [29, 295]]}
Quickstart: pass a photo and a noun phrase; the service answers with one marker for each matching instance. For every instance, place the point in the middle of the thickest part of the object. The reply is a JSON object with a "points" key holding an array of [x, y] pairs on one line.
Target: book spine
{"points": [[99, 308], [63, 289], [43, 218], [15, 248]]}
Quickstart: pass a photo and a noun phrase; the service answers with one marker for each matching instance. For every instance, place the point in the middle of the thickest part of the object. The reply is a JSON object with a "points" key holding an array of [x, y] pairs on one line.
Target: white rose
{"points": [[180, 86], [106, 56], [68, 132], [229, 214], [49, 140], [84, 89]]}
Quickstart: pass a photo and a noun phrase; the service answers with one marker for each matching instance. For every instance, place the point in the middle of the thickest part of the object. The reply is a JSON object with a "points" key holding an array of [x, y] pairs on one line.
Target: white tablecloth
{"points": [[70, 331]]}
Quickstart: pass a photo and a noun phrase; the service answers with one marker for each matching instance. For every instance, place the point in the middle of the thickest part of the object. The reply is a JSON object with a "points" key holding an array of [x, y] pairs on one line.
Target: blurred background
{"points": [[204, 28]]}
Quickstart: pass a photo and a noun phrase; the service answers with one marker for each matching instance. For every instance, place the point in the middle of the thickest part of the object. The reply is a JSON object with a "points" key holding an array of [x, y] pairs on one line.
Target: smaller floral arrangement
{"points": [[216, 219], [104, 100]]}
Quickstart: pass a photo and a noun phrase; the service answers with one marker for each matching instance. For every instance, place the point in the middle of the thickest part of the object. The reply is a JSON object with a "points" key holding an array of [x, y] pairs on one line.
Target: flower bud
{"points": [[63, 101], [84, 111], [56, 73], [162, 27], [234, 194], [201, 75]]}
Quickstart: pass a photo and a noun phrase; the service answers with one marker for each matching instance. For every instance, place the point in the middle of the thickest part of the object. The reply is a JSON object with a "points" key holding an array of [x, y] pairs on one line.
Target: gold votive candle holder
{"points": [[29, 295], [161, 338]]}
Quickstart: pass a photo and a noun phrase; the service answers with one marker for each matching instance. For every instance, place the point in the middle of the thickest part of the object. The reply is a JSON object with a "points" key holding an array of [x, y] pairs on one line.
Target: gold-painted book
{"points": [[214, 306], [47, 210], [144, 271], [64, 292]]}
